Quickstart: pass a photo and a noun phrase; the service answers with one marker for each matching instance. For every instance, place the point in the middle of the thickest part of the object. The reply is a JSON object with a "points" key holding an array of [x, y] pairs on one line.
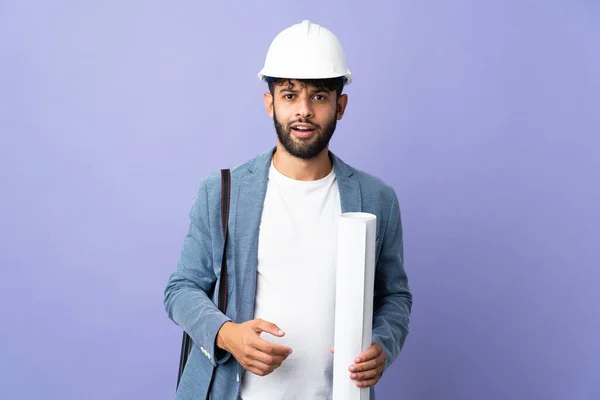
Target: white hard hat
{"points": [[305, 51]]}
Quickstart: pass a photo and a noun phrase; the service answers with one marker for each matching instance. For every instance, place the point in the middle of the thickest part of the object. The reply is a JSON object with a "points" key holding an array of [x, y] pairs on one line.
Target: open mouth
{"points": [[303, 128]]}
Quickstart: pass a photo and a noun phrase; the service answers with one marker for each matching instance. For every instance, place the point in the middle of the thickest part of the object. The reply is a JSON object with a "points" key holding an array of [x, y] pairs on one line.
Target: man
{"points": [[276, 340]]}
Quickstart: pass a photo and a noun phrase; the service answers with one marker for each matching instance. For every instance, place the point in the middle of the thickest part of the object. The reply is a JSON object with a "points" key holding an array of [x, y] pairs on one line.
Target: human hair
{"points": [[329, 84]]}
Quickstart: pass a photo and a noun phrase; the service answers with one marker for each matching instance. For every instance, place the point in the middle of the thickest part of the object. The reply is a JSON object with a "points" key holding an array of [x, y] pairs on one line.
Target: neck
{"points": [[299, 169]]}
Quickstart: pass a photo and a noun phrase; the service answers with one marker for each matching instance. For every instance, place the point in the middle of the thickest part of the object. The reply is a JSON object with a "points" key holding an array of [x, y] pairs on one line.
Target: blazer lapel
{"points": [[350, 195], [250, 198]]}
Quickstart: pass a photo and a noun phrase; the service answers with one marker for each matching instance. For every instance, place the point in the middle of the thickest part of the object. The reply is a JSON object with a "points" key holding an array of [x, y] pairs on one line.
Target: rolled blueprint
{"points": [[355, 277]]}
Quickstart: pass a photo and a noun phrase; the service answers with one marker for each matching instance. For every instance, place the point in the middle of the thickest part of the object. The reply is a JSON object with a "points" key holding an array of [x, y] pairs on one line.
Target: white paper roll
{"points": [[355, 277]]}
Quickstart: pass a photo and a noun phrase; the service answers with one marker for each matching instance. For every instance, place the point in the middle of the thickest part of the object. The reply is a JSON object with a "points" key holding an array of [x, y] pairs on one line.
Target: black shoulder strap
{"points": [[186, 344], [225, 199]]}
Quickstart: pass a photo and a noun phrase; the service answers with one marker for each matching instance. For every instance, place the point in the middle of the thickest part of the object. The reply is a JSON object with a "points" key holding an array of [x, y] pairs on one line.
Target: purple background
{"points": [[483, 115]]}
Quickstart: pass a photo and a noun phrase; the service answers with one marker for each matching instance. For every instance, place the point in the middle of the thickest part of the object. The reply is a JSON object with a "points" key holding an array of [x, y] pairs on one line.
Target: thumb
{"points": [[331, 350], [269, 327]]}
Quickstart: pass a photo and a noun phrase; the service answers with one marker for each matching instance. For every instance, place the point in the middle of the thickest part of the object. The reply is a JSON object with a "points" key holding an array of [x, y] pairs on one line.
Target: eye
{"points": [[288, 96], [319, 97]]}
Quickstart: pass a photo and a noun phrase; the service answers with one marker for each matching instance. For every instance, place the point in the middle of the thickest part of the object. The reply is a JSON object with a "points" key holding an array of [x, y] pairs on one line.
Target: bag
{"points": [[186, 342]]}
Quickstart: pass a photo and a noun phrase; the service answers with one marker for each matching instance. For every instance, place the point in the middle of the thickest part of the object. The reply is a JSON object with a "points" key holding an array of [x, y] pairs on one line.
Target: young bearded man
{"points": [[276, 339]]}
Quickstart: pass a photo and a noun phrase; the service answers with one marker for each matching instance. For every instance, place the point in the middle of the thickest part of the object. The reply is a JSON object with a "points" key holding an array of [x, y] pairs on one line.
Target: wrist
{"points": [[223, 334]]}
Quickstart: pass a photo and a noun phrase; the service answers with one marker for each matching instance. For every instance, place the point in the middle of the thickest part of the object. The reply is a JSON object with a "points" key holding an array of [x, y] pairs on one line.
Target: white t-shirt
{"points": [[296, 286]]}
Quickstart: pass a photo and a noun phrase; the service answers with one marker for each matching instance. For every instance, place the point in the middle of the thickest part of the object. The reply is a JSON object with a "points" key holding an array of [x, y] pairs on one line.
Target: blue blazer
{"points": [[190, 298]]}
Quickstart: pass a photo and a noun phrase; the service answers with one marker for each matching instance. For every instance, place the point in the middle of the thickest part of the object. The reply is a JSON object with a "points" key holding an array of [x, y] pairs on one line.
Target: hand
{"points": [[368, 367], [253, 353]]}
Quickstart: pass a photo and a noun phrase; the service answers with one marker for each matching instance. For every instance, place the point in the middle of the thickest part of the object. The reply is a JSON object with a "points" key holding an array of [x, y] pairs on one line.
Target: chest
{"points": [[299, 220]]}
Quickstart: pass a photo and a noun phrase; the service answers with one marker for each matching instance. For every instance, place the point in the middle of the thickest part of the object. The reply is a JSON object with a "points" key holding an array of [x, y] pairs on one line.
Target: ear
{"points": [[341, 105], [269, 103]]}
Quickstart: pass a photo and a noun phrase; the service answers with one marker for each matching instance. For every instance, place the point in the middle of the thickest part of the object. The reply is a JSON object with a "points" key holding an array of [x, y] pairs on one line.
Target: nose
{"points": [[304, 108]]}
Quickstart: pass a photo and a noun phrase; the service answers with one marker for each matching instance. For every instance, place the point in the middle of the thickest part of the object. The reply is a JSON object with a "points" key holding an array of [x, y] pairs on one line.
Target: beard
{"points": [[308, 148]]}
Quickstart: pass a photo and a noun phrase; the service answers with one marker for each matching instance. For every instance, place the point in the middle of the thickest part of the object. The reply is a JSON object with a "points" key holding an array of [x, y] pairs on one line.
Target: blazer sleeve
{"points": [[186, 297], [392, 298]]}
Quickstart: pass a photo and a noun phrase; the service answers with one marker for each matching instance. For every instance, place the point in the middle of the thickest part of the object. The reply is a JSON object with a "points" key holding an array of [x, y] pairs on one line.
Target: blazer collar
{"points": [[350, 192]]}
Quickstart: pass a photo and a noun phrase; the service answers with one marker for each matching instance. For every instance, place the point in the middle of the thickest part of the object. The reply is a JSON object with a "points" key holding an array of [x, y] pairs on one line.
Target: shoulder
{"points": [[373, 183], [213, 179], [207, 199], [210, 184], [372, 187]]}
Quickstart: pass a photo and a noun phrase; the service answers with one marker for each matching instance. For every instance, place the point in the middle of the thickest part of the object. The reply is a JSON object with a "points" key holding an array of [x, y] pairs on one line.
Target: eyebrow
{"points": [[288, 90]]}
